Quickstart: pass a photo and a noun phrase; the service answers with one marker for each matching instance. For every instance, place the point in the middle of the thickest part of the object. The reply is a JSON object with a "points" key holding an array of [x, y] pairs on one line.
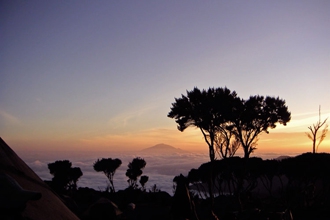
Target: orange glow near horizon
{"points": [[189, 140]]}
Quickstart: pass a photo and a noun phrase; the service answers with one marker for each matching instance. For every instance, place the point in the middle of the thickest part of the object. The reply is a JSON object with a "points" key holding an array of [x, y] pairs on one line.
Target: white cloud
{"points": [[9, 118], [301, 122], [123, 119]]}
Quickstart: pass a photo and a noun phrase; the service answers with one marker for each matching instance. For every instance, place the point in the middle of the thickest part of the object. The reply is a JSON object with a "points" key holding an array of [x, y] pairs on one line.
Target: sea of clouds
{"points": [[161, 169]]}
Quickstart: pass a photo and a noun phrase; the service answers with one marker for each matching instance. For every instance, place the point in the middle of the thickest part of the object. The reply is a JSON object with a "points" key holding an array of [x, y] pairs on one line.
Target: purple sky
{"points": [[87, 73]]}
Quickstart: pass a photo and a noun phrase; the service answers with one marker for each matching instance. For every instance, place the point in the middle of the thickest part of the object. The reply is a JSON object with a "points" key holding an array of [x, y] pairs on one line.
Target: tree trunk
{"points": [[212, 155], [246, 152], [314, 141]]}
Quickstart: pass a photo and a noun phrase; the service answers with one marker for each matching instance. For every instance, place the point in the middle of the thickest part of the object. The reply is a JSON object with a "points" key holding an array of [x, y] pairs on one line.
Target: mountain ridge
{"points": [[162, 148]]}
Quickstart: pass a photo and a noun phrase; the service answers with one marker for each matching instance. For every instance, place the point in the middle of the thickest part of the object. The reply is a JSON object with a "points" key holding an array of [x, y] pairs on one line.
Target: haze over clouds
{"points": [[101, 75], [161, 168]]}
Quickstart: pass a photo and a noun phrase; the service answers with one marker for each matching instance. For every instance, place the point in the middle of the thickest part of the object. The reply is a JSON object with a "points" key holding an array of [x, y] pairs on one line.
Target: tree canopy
{"points": [[257, 115], [135, 170], [108, 166], [225, 120]]}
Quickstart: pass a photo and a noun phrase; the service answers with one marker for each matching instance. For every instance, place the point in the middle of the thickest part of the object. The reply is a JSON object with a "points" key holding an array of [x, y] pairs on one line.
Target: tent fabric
{"points": [[49, 206]]}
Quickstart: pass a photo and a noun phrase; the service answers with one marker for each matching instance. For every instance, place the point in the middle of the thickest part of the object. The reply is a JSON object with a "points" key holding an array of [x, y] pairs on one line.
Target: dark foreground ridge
{"points": [[286, 189]]}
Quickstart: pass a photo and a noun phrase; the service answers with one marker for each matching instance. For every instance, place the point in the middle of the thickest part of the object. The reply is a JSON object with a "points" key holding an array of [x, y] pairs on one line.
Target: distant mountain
{"points": [[282, 157], [162, 149]]}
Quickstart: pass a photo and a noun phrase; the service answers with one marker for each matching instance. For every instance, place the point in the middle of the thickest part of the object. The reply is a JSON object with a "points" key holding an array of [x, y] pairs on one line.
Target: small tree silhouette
{"points": [[317, 140], [74, 174], [134, 171], [108, 166], [65, 177], [143, 180]]}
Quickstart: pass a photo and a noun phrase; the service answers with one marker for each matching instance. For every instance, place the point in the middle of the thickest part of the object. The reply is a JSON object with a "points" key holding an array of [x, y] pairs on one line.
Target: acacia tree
{"points": [[209, 110], [313, 132], [226, 121], [108, 166], [257, 115]]}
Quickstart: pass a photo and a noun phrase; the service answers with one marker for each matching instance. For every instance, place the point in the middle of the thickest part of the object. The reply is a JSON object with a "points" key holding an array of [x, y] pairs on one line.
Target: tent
{"points": [[20, 184]]}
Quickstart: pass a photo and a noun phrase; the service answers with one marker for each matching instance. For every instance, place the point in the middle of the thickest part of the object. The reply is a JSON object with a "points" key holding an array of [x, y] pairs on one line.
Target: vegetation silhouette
{"points": [[134, 171], [108, 166], [65, 177], [298, 186], [317, 140], [143, 180], [244, 188]]}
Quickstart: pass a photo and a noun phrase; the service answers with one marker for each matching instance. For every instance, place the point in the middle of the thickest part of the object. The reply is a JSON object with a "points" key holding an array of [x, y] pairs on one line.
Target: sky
{"points": [[101, 75]]}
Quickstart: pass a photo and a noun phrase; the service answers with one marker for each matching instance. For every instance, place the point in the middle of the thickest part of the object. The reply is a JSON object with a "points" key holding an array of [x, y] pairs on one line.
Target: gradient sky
{"points": [[95, 75]]}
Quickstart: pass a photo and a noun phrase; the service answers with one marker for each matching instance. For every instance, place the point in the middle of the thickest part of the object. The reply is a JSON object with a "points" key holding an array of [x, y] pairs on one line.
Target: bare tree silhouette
{"points": [[317, 140]]}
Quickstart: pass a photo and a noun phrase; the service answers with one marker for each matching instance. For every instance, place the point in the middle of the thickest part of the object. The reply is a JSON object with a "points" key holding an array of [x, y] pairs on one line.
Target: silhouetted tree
{"points": [[209, 110], [74, 174], [257, 115], [317, 140], [64, 176], [108, 166], [134, 171], [227, 121], [143, 180]]}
